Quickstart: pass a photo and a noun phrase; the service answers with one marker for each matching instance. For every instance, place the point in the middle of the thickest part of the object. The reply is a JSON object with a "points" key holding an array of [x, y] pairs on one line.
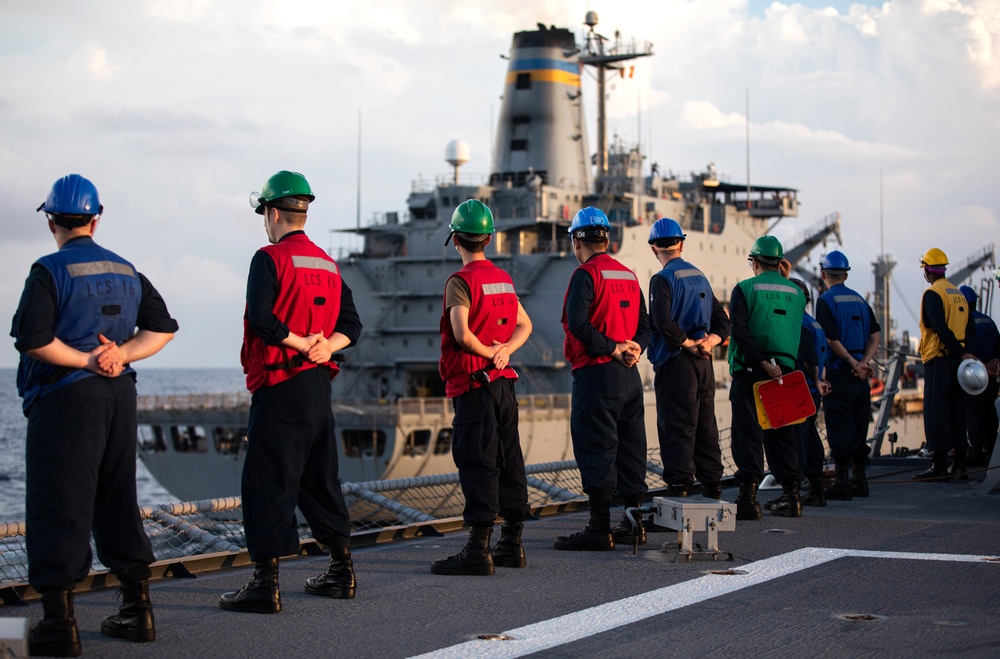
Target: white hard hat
{"points": [[972, 377]]}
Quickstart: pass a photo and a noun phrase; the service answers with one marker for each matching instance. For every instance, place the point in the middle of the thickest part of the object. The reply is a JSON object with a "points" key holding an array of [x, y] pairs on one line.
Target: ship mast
{"points": [[596, 55], [883, 267]]}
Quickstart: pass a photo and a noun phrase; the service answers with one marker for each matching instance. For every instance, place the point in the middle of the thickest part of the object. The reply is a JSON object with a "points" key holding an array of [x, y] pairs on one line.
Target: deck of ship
{"points": [[909, 571]]}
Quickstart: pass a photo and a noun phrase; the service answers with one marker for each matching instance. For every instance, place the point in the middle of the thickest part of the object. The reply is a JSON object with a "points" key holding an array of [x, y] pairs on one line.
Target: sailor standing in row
{"points": [[853, 334], [812, 360], [687, 321], [483, 324], [75, 328], [766, 312], [299, 312], [607, 328], [947, 336], [981, 409]]}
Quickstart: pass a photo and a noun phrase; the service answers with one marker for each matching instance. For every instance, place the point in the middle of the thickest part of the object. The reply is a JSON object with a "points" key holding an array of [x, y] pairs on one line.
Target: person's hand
{"points": [[501, 355], [823, 387], [993, 367], [627, 352], [320, 350], [704, 347], [862, 370], [106, 359], [773, 370]]}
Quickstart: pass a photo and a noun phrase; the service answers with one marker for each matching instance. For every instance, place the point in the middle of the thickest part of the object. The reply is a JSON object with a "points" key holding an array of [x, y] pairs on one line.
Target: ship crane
{"points": [[815, 236]]}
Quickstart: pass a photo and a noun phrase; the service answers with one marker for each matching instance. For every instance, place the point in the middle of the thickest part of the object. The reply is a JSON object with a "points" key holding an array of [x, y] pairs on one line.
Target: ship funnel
{"points": [[457, 154], [541, 127]]}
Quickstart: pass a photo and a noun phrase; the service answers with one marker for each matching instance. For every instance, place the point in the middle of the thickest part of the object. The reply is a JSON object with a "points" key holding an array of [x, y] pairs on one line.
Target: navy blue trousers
{"points": [[944, 405], [292, 460], [80, 459], [608, 429], [685, 420], [486, 447], [751, 442], [847, 409]]}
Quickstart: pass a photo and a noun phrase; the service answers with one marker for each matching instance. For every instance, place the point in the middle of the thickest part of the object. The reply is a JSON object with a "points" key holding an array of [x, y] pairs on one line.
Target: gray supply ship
{"points": [[392, 418]]}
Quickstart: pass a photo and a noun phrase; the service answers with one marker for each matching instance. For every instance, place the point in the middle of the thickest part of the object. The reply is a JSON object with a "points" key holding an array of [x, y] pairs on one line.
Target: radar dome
{"points": [[457, 153]]}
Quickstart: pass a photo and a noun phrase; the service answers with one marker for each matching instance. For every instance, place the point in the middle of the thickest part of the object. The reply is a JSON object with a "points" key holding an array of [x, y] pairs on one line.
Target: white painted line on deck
{"points": [[589, 622]]}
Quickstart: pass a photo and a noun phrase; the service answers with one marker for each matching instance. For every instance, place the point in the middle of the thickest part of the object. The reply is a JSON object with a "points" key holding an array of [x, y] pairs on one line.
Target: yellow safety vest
{"points": [[956, 315]]}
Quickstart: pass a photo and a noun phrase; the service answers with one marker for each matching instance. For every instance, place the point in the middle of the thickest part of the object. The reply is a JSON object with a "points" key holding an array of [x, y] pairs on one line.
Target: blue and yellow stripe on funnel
{"points": [[545, 70]]}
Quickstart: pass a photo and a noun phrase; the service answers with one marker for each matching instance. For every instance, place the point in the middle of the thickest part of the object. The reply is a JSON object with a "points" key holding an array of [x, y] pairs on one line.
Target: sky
{"points": [[886, 113]]}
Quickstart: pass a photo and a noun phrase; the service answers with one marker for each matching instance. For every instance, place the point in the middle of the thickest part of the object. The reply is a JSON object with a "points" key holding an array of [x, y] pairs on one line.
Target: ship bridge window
{"points": [[443, 444], [523, 81], [151, 439], [417, 442], [229, 441], [188, 439], [519, 145], [363, 443]]}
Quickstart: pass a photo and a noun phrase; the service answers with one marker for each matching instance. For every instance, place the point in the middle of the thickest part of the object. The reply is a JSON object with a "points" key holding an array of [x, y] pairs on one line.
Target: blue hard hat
{"points": [[835, 260], [589, 218], [72, 195], [969, 293], [665, 228]]}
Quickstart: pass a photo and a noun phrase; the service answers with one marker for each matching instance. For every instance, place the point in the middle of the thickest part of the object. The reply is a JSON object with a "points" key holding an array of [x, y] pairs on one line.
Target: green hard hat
{"points": [[472, 216], [280, 186], [767, 247]]}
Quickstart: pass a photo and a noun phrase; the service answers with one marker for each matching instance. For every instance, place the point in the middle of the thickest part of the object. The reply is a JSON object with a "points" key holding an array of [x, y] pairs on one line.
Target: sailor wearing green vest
{"points": [[766, 312]]}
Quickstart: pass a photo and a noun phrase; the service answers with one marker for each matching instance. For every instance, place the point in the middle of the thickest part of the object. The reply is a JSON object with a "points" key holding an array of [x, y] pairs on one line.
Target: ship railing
{"points": [[193, 536], [222, 401]]}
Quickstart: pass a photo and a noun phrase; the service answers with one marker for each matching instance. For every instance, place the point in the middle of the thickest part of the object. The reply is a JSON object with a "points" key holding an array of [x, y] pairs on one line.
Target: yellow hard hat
{"points": [[934, 258]]}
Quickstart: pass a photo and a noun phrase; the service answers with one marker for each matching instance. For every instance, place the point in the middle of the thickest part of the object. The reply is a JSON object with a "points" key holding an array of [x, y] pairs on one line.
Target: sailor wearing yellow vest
{"points": [[947, 336]]}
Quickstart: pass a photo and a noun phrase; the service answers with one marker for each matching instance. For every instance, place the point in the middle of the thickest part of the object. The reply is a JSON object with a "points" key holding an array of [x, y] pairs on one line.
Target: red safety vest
{"points": [[492, 317], [308, 302], [614, 311]]}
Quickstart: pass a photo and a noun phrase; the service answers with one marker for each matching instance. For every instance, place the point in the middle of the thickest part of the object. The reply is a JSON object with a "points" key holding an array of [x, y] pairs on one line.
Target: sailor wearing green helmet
{"points": [[482, 324], [299, 312], [766, 312]]}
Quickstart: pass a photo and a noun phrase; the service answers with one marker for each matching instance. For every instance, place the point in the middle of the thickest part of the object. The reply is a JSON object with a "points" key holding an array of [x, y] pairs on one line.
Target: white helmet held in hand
{"points": [[972, 377]]}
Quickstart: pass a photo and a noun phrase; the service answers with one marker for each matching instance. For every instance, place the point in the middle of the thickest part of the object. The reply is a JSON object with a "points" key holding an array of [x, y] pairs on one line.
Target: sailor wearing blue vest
{"points": [[812, 360], [766, 312], [687, 321], [947, 336], [606, 326], [981, 409], [853, 335], [76, 330]]}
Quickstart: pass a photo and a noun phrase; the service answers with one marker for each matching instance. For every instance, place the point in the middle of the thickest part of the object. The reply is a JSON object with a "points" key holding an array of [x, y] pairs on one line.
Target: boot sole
{"points": [[335, 593], [132, 635], [251, 608], [55, 649], [513, 564]]}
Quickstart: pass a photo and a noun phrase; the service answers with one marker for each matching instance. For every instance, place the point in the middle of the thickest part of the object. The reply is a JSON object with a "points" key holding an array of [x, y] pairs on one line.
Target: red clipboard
{"points": [[783, 403]]}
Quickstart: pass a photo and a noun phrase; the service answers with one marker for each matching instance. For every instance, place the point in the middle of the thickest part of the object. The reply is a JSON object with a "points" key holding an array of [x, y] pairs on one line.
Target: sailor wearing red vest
{"points": [[482, 324], [298, 314], [607, 328]]}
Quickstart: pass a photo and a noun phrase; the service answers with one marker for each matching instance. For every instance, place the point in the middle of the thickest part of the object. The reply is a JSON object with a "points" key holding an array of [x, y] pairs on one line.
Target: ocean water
{"points": [[149, 382]]}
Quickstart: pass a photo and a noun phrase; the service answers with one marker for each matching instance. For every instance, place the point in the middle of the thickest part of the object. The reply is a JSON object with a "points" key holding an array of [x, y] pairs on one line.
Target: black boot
{"points": [[677, 489], [711, 490], [56, 635], [260, 595], [859, 480], [789, 505], [841, 488], [958, 470], [815, 497], [938, 471], [474, 559], [747, 507], [134, 620], [509, 552], [338, 581], [623, 531], [597, 535]]}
